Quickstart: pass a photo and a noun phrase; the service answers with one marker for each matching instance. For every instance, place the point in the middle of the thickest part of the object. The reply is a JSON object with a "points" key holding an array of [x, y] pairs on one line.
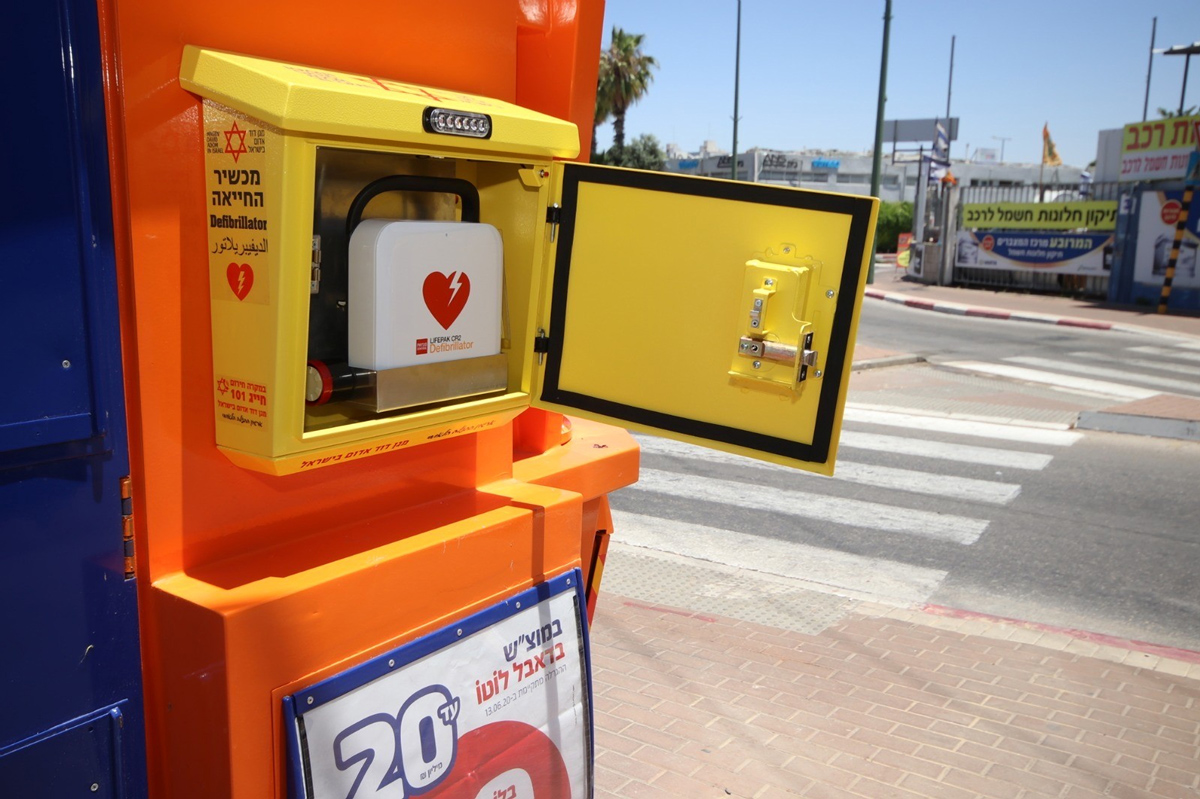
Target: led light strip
{"points": [[457, 123]]}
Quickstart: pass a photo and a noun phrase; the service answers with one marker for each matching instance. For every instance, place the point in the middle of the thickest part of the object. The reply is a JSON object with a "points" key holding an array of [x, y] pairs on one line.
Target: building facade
{"points": [[850, 173]]}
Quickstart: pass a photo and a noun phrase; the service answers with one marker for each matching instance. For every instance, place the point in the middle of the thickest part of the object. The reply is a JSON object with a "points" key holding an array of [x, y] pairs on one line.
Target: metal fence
{"points": [[1029, 279], [1092, 286], [1049, 192]]}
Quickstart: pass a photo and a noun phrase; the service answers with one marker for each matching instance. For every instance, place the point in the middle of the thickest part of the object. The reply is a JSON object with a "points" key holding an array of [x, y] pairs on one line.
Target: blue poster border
{"points": [[296, 704]]}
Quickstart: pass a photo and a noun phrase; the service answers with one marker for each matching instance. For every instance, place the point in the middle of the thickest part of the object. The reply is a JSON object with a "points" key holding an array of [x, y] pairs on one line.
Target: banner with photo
{"points": [[1157, 219], [1061, 253]]}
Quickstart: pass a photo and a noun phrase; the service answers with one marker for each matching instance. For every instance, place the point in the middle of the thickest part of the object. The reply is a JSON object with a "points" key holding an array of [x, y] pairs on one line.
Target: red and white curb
{"points": [[995, 313]]}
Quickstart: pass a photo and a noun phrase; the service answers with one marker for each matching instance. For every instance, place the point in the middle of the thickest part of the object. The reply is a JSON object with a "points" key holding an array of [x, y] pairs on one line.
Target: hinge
{"points": [[314, 275], [541, 345], [553, 217], [127, 526]]}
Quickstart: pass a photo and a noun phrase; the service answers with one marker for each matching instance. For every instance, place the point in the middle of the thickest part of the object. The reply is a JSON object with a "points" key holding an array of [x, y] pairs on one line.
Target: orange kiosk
{"points": [[362, 280]]}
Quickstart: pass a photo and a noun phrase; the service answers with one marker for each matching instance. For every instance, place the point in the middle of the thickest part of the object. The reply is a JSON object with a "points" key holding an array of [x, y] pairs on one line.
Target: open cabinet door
{"points": [[709, 311]]}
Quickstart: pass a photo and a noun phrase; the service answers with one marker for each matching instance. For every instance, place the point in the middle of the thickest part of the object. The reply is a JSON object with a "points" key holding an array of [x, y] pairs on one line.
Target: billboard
{"points": [[1158, 150], [917, 130], [1157, 219]]}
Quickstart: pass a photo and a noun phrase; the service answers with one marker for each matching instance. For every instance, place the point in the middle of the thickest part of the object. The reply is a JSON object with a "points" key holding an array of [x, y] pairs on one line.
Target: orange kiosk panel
{"points": [[255, 585], [353, 254]]}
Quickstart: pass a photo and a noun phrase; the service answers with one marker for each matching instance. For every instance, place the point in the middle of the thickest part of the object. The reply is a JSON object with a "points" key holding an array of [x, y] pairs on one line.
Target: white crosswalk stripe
{"points": [[1065, 382], [962, 427], [815, 523], [1169, 352], [1113, 371], [808, 505], [844, 572], [1120, 363], [962, 453], [943, 485]]}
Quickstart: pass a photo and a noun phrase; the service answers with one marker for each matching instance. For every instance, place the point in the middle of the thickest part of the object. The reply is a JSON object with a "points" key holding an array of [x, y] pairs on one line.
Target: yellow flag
{"points": [[1049, 152]]}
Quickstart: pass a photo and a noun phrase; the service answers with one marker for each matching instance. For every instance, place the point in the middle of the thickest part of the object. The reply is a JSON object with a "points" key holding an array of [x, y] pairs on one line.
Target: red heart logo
{"points": [[241, 279], [445, 296]]}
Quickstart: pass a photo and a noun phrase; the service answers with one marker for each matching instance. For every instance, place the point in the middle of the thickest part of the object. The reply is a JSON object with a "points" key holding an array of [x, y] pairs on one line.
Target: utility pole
{"points": [[949, 87], [1002, 139], [737, 66], [1149, 66], [877, 161]]}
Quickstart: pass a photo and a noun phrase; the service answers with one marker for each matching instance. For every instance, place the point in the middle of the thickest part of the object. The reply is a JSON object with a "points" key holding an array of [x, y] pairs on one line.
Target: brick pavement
{"points": [[886, 702]]}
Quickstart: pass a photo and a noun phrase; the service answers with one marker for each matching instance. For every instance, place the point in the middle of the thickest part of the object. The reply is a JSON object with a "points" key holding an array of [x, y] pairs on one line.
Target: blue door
{"points": [[71, 721]]}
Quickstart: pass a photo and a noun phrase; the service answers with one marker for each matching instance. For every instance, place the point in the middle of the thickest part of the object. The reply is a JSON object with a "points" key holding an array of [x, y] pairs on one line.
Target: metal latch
{"points": [[775, 342], [780, 353]]}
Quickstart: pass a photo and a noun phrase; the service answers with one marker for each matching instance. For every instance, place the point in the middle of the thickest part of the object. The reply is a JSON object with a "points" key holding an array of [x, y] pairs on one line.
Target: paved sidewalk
{"points": [[713, 681], [885, 702]]}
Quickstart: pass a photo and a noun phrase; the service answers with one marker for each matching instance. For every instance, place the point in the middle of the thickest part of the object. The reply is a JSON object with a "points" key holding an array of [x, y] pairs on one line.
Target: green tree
{"points": [[894, 219], [625, 77], [1170, 113], [644, 152]]}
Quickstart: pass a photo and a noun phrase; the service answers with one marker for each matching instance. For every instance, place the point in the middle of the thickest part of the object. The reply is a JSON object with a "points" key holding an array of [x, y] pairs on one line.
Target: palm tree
{"points": [[625, 77], [603, 97]]}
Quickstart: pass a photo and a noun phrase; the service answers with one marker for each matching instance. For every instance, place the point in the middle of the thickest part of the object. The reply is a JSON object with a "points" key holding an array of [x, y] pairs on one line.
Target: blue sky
{"points": [[810, 71]]}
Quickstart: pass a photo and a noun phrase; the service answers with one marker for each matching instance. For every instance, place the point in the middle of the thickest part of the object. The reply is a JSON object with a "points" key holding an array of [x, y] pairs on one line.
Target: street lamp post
{"points": [[877, 160], [1186, 50], [737, 65], [1002, 139]]}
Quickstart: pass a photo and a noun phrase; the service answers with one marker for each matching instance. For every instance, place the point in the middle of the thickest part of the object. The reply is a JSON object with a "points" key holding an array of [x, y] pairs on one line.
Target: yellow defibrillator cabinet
{"points": [[392, 265]]}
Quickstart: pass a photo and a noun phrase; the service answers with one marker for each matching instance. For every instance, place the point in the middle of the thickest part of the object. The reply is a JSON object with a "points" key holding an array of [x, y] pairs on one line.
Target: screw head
{"points": [[310, 700], [830, 294], [66, 364], [769, 282], [95, 787], [758, 364], [754, 323], [818, 373]]}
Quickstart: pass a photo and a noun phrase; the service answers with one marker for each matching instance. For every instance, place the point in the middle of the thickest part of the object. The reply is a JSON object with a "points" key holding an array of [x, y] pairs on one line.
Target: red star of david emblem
{"points": [[223, 386], [241, 141]]}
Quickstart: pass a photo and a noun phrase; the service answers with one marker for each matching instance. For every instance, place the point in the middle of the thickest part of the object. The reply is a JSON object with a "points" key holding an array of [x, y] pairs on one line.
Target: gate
{"points": [[1055, 238]]}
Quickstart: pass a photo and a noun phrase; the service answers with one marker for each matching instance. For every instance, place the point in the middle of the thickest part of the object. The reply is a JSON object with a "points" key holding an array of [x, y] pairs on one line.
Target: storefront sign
{"points": [[1064, 253], [1158, 150], [826, 163], [497, 705], [1157, 220], [1090, 214]]}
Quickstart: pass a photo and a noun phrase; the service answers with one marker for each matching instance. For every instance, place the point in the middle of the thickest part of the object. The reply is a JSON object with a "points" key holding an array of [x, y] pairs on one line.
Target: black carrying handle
{"points": [[466, 191]]}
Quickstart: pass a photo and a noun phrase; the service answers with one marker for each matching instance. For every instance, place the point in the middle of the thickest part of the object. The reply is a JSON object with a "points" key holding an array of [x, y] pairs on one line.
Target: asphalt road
{"points": [[1077, 529]]}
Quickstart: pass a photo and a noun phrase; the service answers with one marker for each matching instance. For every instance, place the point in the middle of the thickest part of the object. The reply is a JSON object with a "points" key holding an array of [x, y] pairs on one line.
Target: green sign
{"points": [[1089, 214]]}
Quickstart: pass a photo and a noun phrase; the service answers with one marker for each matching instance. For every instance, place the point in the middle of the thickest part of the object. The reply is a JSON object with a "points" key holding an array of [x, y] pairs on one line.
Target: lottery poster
{"points": [[496, 706]]}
